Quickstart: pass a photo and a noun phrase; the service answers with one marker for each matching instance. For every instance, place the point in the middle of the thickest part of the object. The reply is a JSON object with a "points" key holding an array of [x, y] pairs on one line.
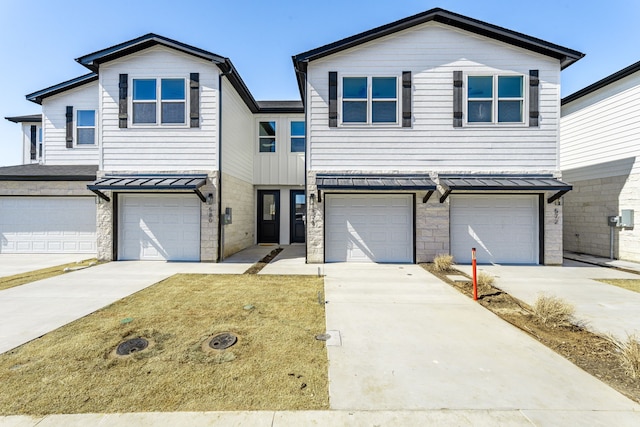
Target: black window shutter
{"points": [[69, 127], [534, 98], [406, 99], [333, 99], [457, 99], [33, 136], [122, 101], [194, 103]]}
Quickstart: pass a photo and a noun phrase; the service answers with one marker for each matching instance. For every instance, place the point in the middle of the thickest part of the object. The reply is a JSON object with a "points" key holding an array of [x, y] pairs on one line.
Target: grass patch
{"points": [[277, 364], [44, 273], [629, 355], [443, 262], [629, 284], [553, 311]]}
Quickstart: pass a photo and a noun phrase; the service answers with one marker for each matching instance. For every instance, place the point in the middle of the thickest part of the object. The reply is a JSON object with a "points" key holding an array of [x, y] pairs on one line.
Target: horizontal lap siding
{"points": [[162, 147], [237, 134], [602, 126], [432, 52], [55, 130]]}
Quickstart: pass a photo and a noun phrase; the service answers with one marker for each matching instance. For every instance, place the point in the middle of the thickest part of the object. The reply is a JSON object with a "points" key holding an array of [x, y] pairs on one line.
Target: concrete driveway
{"points": [[11, 264], [411, 342], [604, 308]]}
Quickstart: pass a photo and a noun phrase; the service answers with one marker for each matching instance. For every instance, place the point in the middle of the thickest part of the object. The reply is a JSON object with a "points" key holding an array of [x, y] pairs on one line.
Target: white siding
{"points": [[159, 148], [432, 52], [54, 111], [26, 142], [282, 167], [237, 134], [602, 127]]}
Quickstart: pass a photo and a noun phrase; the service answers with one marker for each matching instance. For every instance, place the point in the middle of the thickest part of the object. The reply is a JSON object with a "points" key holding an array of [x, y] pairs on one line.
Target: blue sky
{"points": [[41, 38]]}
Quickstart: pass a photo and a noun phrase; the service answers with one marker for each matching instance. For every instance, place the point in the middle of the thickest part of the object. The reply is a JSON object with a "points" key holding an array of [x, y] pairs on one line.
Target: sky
{"points": [[40, 39]]}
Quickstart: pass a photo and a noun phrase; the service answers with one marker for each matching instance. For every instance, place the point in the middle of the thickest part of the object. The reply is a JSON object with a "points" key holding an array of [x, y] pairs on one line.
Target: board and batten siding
{"points": [[282, 167], [237, 134], [602, 128], [54, 110], [432, 51], [159, 148]]}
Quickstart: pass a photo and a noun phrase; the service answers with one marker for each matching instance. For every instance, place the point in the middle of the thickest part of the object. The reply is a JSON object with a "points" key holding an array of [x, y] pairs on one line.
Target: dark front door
{"points": [[298, 211], [268, 216]]}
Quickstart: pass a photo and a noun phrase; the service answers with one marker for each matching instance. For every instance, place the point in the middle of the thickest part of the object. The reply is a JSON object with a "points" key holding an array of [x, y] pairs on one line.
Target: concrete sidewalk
{"points": [[411, 342], [11, 264], [605, 309]]}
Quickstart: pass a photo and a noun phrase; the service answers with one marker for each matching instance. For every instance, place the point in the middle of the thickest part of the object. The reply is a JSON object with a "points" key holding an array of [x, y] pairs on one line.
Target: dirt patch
{"points": [[591, 352], [255, 268], [276, 363]]}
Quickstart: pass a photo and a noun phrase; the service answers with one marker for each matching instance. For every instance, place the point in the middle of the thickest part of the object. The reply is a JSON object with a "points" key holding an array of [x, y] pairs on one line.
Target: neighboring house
{"points": [[144, 155], [433, 134], [600, 155], [31, 137], [436, 101]]}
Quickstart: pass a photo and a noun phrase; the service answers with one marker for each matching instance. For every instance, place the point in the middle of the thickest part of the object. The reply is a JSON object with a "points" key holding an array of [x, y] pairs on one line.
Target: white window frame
{"points": [[494, 101], [369, 122], [78, 127], [258, 137], [297, 136], [158, 102]]}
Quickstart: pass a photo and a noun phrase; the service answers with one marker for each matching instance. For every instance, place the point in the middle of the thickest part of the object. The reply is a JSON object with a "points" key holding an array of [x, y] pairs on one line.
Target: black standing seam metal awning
{"points": [[149, 183], [503, 183], [375, 182]]}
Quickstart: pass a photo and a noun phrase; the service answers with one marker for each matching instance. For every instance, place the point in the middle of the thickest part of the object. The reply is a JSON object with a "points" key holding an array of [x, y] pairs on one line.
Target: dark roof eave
{"points": [[38, 96], [48, 177], [564, 55], [32, 118], [619, 75]]}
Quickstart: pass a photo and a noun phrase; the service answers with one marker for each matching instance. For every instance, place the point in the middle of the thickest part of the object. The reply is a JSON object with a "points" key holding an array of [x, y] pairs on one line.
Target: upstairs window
{"points": [[267, 137], [297, 137], [485, 104], [86, 127], [369, 100], [170, 106]]}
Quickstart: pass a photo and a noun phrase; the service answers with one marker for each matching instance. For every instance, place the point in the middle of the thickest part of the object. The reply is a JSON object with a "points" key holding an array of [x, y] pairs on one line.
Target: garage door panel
{"points": [[368, 227], [503, 229], [47, 225], [160, 227]]}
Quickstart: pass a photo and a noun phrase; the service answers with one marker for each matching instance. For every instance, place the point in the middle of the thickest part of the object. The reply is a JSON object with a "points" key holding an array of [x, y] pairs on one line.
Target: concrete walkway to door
{"points": [[410, 342]]}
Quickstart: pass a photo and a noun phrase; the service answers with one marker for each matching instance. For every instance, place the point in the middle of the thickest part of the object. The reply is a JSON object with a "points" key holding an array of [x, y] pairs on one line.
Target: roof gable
{"points": [[618, 75]]}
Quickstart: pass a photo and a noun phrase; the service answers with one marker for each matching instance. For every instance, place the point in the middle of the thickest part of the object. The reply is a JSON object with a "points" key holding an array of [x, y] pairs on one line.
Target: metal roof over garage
{"points": [[503, 183], [375, 182], [149, 183]]}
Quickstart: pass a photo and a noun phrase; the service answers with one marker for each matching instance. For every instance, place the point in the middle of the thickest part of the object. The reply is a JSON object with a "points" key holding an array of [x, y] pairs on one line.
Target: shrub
{"points": [[553, 311], [443, 262], [629, 355], [485, 279]]}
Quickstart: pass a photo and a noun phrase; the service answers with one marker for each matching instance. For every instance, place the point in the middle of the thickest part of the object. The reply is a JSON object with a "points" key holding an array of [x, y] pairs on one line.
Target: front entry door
{"points": [[268, 216], [297, 209]]}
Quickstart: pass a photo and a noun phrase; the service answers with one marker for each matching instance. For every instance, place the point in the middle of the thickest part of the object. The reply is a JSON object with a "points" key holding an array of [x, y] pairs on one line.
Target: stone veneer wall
{"points": [[239, 196], [45, 188], [552, 231], [586, 209]]}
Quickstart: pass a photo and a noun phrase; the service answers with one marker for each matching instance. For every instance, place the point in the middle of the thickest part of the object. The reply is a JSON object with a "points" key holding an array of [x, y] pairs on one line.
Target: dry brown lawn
{"points": [[277, 364], [630, 284], [44, 273]]}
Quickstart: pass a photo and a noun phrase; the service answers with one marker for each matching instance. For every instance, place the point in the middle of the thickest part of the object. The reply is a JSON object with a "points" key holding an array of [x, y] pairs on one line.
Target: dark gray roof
{"points": [[37, 172], [149, 182], [38, 96], [564, 55], [633, 68], [502, 182], [32, 118], [281, 106], [374, 182]]}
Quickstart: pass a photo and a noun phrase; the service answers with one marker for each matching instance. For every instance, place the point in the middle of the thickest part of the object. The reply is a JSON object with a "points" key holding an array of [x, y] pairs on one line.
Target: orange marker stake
{"points": [[475, 276]]}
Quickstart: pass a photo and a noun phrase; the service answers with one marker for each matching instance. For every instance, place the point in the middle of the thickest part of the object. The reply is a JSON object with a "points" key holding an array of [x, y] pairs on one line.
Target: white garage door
{"points": [[369, 228], [159, 227], [503, 229], [48, 225]]}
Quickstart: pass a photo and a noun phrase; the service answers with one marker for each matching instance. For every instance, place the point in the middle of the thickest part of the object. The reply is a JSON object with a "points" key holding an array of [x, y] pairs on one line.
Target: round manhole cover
{"points": [[131, 346], [222, 341]]}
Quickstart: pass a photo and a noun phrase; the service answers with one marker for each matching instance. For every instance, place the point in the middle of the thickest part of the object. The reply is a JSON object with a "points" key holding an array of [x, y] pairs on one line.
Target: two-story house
{"points": [[600, 155], [159, 153], [434, 134]]}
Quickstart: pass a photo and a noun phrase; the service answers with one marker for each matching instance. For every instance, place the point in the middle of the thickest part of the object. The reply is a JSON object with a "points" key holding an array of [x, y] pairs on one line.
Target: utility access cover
{"points": [[222, 341], [134, 345]]}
